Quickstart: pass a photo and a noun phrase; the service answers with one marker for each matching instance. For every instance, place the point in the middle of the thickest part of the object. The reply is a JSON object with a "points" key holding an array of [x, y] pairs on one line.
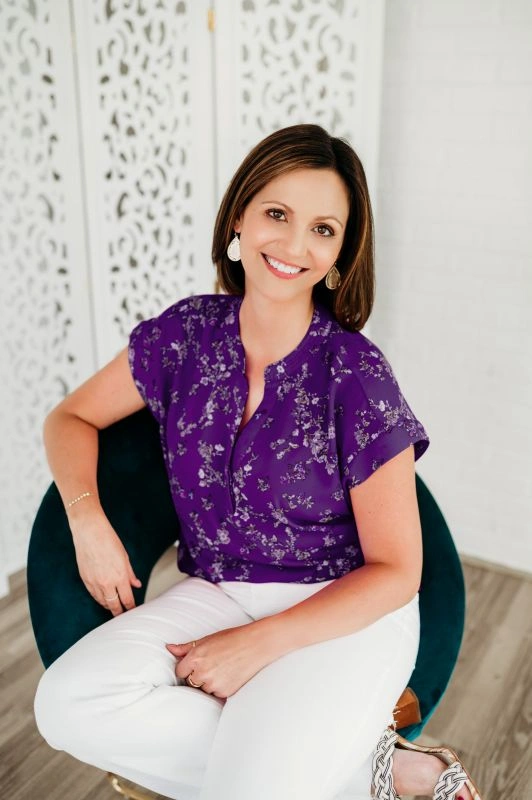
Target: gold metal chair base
{"points": [[122, 787]]}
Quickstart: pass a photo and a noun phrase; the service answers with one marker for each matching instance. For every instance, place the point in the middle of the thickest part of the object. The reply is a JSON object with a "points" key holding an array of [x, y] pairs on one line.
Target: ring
{"points": [[188, 678], [111, 598]]}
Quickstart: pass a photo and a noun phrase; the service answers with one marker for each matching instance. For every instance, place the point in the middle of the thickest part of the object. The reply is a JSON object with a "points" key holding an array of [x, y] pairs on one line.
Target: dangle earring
{"points": [[333, 278], [233, 250]]}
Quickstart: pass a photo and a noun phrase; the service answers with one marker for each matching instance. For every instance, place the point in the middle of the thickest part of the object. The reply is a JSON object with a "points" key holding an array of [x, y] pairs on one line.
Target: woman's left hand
{"points": [[224, 661]]}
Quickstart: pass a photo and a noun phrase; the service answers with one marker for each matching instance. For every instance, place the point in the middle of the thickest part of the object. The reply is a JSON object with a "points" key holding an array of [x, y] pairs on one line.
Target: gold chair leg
{"points": [[121, 786]]}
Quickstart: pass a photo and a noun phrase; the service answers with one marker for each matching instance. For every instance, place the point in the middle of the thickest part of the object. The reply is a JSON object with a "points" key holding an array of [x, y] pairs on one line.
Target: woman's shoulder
{"points": [[201, 304], [195, 312], [185, 323], [356, 356], [371, 403]]}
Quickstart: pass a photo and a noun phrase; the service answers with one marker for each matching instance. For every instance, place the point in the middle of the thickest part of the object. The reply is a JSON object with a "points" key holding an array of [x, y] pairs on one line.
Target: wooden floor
{"points": [[486, 713]]}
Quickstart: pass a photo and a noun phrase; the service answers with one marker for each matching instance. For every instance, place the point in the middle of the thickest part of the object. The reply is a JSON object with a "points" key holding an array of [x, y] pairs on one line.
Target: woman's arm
{"points": [[387, 518], [71, 442], [70, 432]]}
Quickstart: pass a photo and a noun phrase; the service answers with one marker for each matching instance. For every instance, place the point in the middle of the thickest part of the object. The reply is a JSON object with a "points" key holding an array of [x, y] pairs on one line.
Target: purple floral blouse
{"points": [[270, 503]]}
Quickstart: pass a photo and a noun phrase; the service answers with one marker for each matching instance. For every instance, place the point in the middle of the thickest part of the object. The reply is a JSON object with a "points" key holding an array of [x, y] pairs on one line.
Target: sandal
{"points": [[450, 781]]}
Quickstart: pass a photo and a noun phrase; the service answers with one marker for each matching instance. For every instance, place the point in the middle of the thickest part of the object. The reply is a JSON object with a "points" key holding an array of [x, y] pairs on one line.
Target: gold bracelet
{"points": [[85, 494]]}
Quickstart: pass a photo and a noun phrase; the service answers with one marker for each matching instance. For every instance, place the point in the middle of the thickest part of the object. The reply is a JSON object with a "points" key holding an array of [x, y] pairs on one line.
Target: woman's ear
{"points": [[236, 225]]}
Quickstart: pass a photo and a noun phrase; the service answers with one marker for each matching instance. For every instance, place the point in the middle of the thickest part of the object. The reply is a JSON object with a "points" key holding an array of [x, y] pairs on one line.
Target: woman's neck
{"points": [[270, 331]]}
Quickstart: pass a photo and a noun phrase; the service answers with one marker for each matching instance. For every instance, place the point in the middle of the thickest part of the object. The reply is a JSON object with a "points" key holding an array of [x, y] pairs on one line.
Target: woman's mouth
{"points": [[281, 269]]}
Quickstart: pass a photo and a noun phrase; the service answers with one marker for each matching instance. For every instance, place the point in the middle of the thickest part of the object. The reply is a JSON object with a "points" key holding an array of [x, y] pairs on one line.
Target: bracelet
{"points": [[85, 494]]}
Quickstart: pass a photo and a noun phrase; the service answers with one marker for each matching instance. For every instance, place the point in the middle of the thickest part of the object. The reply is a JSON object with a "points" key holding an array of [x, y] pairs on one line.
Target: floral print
{"points": [[271, 502]]}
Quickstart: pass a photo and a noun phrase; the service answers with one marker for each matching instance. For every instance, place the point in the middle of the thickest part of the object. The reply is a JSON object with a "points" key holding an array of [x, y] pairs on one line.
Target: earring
{"points": [[233, 251], [333, 278]]}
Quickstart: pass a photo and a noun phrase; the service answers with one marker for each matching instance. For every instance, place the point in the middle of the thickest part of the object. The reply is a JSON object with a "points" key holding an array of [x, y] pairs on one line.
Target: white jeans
{"points": [[305, 726]]}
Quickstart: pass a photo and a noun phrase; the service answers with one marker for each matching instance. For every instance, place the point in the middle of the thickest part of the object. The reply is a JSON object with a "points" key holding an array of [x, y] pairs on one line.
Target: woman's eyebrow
{"points": [[278, 202]]}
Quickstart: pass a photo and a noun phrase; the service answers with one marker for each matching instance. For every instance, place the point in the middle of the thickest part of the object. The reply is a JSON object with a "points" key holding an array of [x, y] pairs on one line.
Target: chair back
{"points": [[441, 610]]}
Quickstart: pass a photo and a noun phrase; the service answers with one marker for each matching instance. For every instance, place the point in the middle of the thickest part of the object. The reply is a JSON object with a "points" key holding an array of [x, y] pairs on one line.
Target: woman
{"points": [[272, 669]]}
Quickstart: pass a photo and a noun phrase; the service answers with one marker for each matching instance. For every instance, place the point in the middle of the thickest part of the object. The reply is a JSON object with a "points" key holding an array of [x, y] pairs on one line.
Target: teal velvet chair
{"points": [[135, 495]]}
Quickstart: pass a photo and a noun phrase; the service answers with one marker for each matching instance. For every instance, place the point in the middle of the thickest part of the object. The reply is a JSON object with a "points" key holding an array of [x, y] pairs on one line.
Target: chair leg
{"points": [[121, 786]]}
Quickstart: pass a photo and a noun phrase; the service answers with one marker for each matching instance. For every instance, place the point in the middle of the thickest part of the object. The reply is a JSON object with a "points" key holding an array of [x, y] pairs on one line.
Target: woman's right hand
{"points": [[103, 563]]}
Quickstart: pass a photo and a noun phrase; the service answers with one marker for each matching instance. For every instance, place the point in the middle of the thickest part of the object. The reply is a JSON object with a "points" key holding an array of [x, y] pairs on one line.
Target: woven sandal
{"points": [[450, 781]]}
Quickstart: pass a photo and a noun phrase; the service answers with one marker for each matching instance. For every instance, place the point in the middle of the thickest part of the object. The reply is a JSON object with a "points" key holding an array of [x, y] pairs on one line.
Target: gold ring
{"points": [[191, 682]]}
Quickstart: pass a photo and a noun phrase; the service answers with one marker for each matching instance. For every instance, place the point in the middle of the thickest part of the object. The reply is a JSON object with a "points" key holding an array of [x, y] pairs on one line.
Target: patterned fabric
{"points": [[270, 503]]}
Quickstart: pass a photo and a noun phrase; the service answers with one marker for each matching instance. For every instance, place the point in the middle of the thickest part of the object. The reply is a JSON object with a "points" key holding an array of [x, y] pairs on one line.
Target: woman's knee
{"points": [[55, 708], [89, 685]]}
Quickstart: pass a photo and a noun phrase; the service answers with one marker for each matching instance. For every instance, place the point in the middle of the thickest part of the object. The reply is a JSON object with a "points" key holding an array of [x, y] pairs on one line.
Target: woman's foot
{"points": [[418, 773]]}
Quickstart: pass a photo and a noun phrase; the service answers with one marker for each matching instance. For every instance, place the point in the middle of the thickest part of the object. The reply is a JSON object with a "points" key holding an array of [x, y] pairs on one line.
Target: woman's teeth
{"points": [[282, 267]]}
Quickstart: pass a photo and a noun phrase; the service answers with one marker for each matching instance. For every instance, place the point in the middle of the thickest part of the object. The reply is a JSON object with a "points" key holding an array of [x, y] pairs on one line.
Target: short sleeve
{"points": [[375, 421], [157, 348]]}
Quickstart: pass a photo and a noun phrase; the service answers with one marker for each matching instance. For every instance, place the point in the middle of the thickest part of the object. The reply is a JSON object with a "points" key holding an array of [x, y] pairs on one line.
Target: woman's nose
{"points": [[296, 244]]}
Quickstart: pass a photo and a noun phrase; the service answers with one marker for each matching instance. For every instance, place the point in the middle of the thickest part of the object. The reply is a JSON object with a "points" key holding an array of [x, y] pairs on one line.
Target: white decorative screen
{"points": [[47, 343], [147, 121]]}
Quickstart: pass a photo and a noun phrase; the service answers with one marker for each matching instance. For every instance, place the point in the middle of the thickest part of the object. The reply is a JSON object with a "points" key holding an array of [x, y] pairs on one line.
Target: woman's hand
{"points": [[224, 661], [103, 564]]}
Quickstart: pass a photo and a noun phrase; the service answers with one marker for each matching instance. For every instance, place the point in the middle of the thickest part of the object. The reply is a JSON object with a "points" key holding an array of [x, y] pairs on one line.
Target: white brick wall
{"points": [[454, 257]]}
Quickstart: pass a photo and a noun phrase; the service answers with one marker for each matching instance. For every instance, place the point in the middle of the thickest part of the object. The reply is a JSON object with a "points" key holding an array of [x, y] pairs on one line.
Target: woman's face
{"points": [[297, 220]]}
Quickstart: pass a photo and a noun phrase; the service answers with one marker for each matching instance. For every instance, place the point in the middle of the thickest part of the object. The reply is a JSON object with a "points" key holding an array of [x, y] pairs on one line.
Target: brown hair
{"points": [[297, 147]]}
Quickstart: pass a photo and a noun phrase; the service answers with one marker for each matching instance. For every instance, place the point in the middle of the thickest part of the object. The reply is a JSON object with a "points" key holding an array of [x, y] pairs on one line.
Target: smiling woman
{"points": [[303, 195], [290, 451]]}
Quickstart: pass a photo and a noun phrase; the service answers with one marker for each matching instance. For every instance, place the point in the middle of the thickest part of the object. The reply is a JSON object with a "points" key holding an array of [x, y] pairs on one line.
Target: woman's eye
{"points": [[275, 211], [326, 227]]}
